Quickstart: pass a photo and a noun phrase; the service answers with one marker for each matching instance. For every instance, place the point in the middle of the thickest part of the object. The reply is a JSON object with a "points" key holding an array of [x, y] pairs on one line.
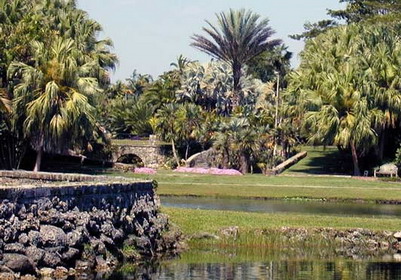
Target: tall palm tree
{"points": [[238, 37], [53, 96], [331, 88]]}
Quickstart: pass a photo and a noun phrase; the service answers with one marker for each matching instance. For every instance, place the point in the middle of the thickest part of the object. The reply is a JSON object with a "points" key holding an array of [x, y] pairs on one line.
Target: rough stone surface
{"points": [[152, 155], [19, 263], [397, 235], [79, 226], [205, 159]]}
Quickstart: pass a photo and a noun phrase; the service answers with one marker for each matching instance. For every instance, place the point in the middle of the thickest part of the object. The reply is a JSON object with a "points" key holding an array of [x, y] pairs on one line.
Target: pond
{"points": [[273, 263], [201, 264], [277, 206]]}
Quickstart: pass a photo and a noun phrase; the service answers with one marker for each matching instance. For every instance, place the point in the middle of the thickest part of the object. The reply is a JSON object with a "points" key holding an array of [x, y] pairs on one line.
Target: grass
{"points": [[193, 221], [279, 187], [322, 160]]}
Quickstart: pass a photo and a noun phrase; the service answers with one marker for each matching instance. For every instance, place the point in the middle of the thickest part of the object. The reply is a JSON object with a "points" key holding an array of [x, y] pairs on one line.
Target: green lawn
{"points": [[322, 160], [279, 187], [194, 221]]}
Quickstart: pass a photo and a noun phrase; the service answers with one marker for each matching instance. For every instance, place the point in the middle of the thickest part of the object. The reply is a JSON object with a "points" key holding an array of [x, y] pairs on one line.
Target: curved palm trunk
{"points": [[175, 152], [357, 172], [187, 151]]}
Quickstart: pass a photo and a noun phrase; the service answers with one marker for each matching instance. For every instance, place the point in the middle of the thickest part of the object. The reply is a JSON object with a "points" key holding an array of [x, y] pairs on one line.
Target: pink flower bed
{"points": [[144, 170], [214, 171]]}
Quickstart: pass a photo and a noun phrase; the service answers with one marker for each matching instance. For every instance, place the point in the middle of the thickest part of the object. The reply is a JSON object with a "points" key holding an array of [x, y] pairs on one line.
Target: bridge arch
{"points": [[151, 155], [131, 159]]}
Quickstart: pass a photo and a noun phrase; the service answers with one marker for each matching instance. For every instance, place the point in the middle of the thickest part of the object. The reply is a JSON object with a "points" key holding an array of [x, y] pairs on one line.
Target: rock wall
{"points": [[67, 228]]}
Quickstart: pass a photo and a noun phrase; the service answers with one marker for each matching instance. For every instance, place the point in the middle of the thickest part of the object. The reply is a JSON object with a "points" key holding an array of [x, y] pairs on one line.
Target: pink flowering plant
{"points": [[213, 171], [144, 170]]}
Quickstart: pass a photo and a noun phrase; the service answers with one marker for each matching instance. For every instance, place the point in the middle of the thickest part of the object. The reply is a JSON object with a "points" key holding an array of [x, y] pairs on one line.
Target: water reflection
{"points": [[277, 206], [249, 264], [283, 270]]}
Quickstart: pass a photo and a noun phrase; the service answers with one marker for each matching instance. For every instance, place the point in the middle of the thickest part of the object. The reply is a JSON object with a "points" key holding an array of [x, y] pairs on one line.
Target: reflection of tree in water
{"points": [[283, 270]]}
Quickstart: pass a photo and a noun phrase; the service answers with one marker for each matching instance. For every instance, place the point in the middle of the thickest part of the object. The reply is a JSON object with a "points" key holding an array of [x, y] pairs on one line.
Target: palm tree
{"points": [[181, 64], [53, 96], [331, 88], [5, 102], [165, 124], [238, 37]]}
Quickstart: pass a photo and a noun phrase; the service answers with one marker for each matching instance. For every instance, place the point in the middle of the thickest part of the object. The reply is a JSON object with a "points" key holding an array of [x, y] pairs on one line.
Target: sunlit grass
{"points": [[278, 187], [194, 221]]}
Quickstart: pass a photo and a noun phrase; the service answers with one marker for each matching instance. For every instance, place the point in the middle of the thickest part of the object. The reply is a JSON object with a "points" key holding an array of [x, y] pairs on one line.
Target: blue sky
{"points": [[149, 34]]}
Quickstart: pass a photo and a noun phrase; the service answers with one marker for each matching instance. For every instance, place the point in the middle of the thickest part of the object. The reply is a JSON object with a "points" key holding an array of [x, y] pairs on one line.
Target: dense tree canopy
{"points": [[51, 65], [349, 87], [371, 11]]}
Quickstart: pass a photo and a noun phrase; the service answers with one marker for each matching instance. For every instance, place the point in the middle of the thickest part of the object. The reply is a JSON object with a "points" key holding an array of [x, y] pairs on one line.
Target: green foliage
{"points": [[397, 159], [238, 37], [367, 11], [124, 117], [268, 64], [51, 66], [348, 88]]}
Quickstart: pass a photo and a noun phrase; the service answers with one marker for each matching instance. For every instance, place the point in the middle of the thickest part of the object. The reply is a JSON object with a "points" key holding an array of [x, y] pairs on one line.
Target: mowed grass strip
{"points": [[279, 187], [193, 221]]}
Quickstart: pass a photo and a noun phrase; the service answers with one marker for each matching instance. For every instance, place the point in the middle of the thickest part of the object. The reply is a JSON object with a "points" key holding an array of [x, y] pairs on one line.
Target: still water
{"points": [[201, 265], [272, 263], [277, 206]]}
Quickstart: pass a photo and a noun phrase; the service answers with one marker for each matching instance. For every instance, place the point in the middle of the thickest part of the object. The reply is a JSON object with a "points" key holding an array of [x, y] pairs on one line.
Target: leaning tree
{"points": [[238, 37]]}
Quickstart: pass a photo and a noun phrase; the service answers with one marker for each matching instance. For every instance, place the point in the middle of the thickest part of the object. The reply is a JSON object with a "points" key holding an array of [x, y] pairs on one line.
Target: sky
{"points": [[148, 35]]}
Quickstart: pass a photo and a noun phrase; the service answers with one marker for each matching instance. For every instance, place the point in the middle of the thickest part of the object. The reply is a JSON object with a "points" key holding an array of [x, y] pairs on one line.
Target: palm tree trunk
{"points": [[38, 161], [39, 154], [226, 159], [175, 152], [382, 140], [237, 85], [357, 172], [244, 163], [187, 151]]}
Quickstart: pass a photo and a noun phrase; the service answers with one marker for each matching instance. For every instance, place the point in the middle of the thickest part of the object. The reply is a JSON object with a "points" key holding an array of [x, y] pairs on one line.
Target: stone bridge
{"points": [[150, 152]]}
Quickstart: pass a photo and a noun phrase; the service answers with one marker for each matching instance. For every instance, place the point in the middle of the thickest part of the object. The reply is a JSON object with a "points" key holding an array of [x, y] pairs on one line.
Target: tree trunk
{"points": [[187, 151], [357, 172], [226, 159], [38, 161], [244, 163], [382, 140], [175, 153], [237, 85]]}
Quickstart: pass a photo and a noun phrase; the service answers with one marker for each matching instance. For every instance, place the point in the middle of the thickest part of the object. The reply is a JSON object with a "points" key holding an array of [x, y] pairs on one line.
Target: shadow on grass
{"points": [[328, 161]]}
